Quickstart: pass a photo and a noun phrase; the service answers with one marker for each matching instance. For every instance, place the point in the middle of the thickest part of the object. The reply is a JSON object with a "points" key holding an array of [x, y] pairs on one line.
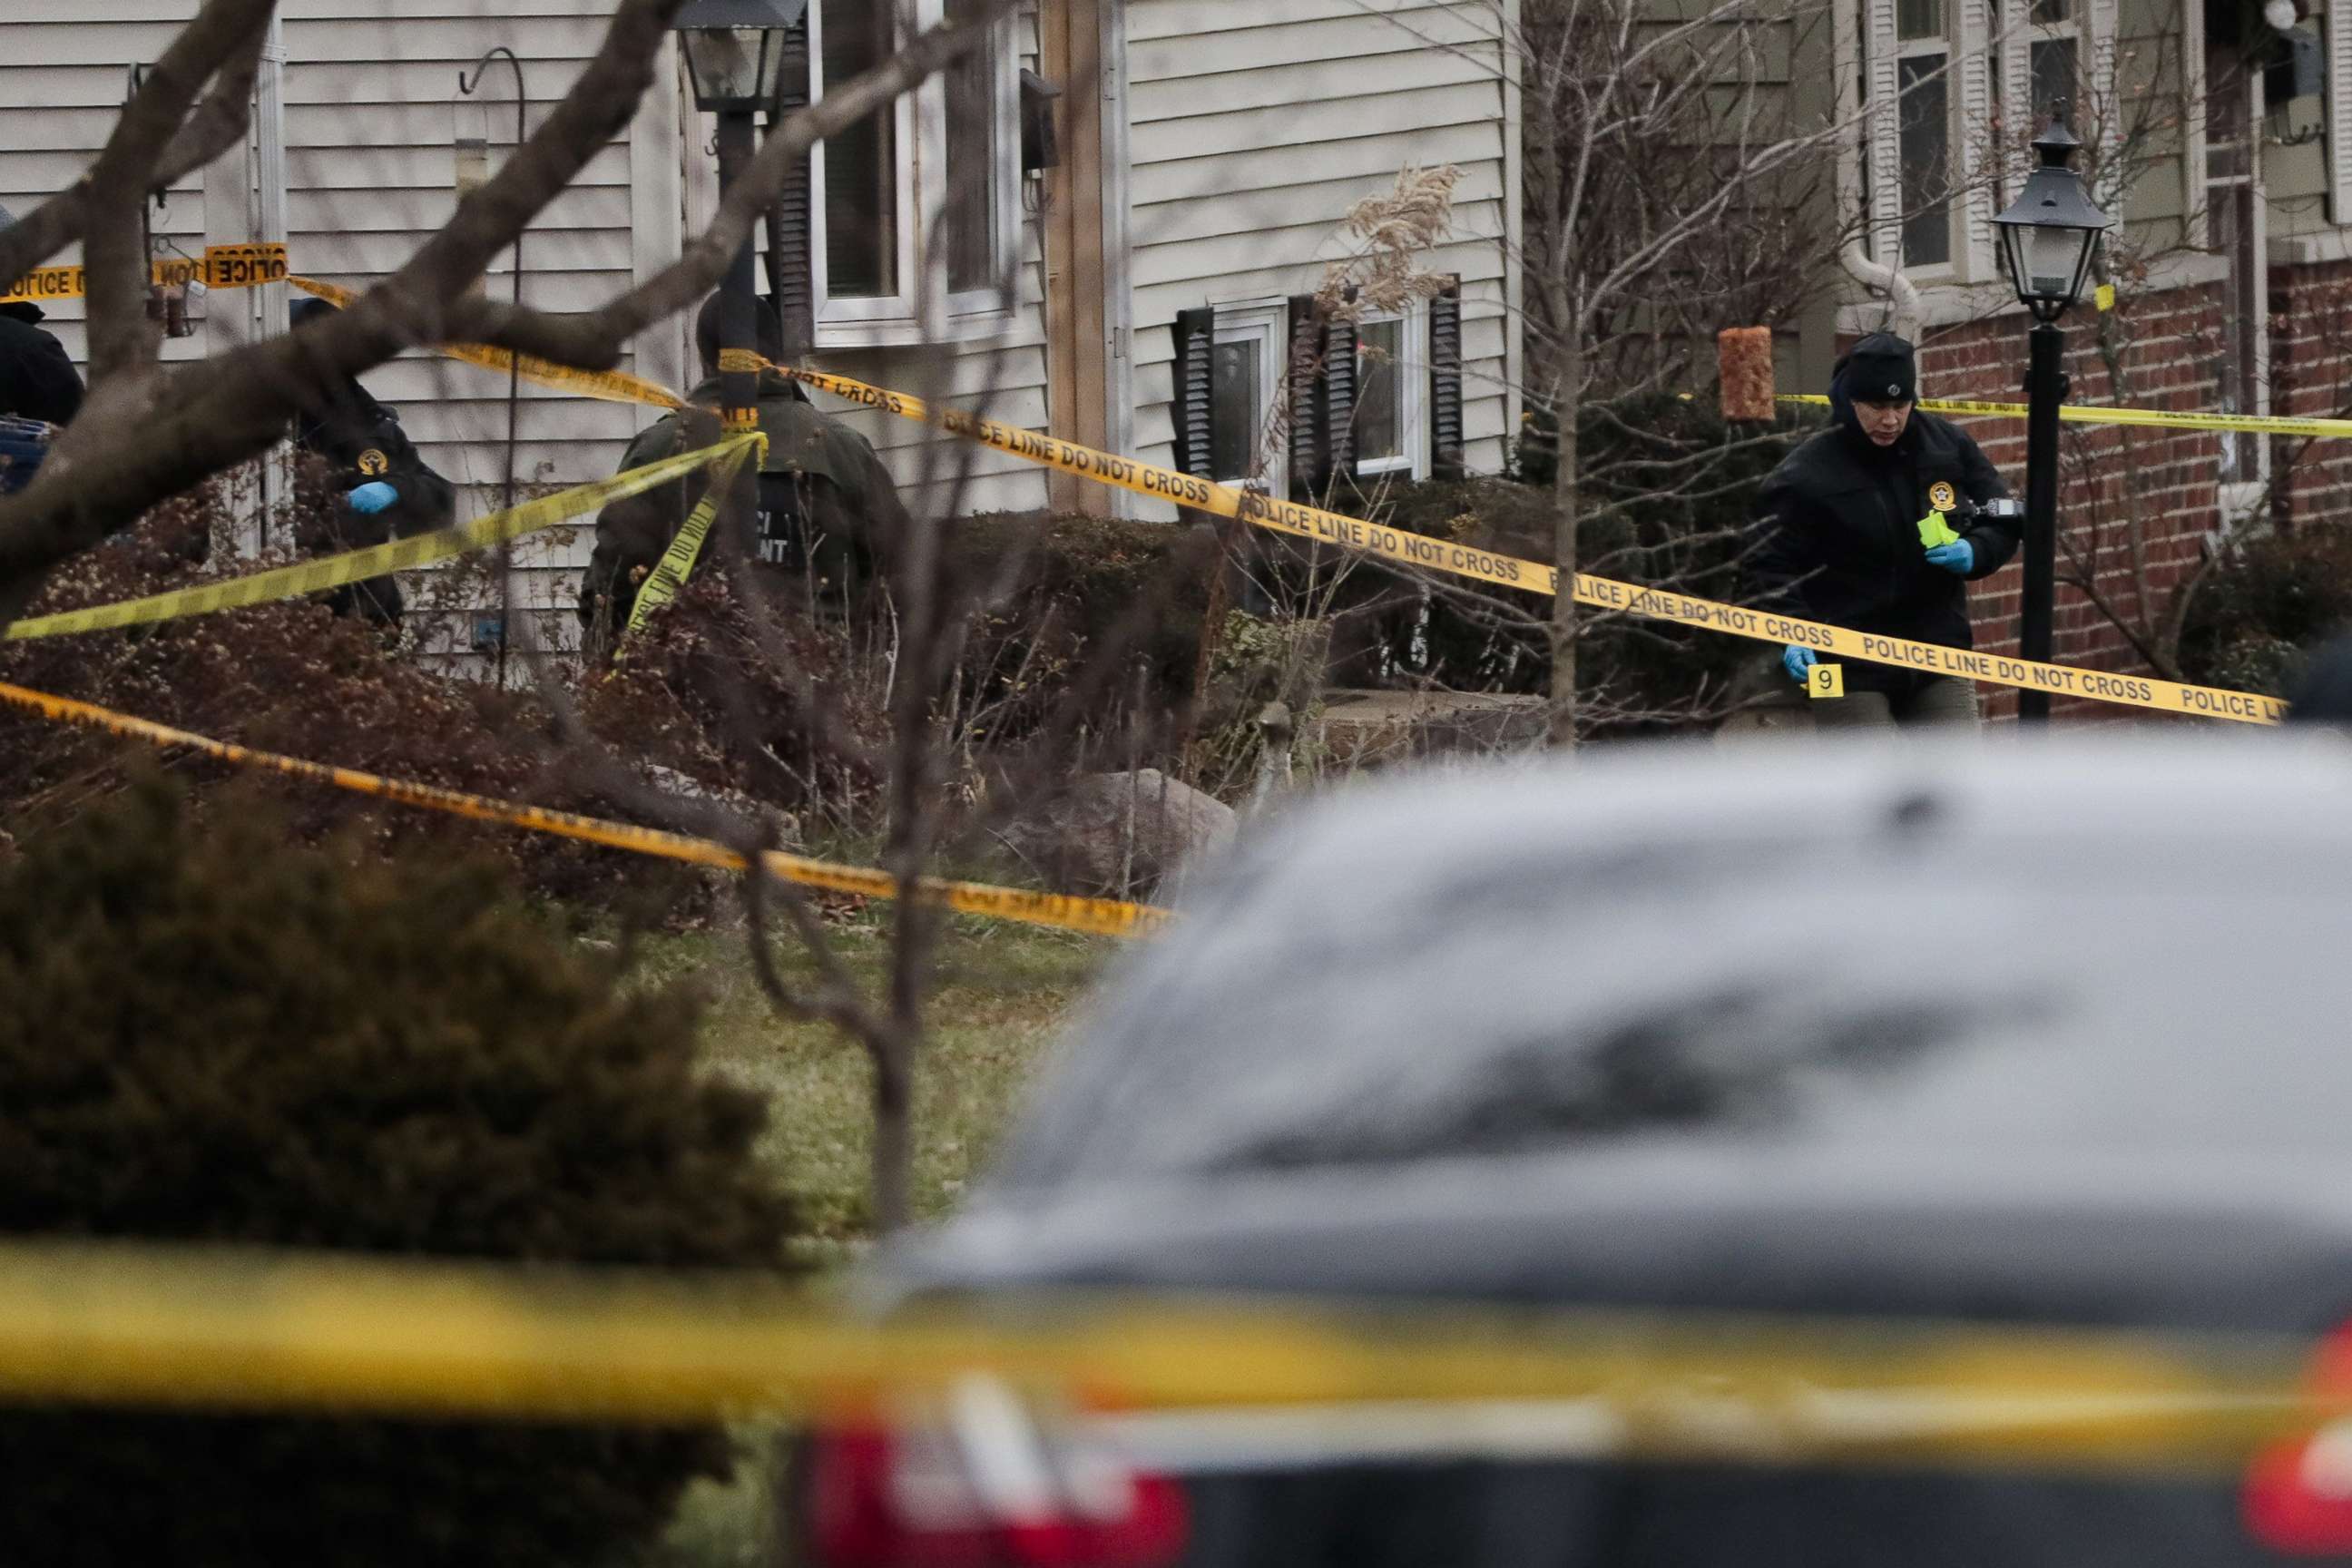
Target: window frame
{"points": [[1945, 45], [2240, 499], [2072, 30], [1987, 71], [923, 310], [1267, 324], [2336, 39], [1000, 296], [1412, 370]]}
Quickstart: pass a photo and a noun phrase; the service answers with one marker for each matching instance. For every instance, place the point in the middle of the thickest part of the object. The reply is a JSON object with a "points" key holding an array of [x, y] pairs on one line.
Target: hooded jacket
{"points": [[37, 379], [826, 503], [1839, 533]]}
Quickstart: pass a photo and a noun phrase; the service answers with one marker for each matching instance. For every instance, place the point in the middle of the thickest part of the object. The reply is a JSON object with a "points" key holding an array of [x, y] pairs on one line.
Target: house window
{"points": [[1243, 376], [1392, 395], [2054, 56], [919, 201], [973, 150], [861, 164], [1923, 134], [2233, 214]]}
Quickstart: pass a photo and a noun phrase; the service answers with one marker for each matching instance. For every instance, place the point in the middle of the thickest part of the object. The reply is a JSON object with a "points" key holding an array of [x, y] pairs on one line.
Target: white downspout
{"points": [[1902, 295]]}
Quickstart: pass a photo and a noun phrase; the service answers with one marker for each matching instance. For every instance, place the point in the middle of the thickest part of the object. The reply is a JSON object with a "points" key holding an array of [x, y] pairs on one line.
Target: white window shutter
{"points": [[1884, 132], [2340, 111], [2015, 48], [2100, 25], [1973, 66]]}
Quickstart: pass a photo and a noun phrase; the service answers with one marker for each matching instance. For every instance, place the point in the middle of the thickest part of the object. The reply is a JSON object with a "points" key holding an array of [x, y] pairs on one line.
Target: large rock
{"points": [[1121, 834]]}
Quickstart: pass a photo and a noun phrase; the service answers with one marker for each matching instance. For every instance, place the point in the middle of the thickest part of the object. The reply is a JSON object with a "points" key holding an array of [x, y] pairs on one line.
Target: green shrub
{"points": [[1670, 492], [226, 1039], [2264, 605]]}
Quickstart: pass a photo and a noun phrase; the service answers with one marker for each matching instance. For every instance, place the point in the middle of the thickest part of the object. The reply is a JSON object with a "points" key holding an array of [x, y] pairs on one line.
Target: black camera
{"points": [[1968, 514]]}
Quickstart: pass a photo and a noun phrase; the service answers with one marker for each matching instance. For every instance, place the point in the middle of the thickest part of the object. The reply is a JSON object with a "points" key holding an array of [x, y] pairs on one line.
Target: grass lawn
{"points": [[1003, 994]]}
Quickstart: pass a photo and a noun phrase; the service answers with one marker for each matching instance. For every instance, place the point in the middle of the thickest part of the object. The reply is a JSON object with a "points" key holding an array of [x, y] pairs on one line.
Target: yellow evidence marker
{"points": [[1825, 680]]}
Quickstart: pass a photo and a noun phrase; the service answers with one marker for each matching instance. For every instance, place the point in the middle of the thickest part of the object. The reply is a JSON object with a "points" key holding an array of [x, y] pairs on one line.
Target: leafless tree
{"points": [[1675, 186], [151, 431]]}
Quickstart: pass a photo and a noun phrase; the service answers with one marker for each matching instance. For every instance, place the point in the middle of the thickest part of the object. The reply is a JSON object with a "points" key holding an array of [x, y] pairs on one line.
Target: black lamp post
{"points": [[735, 54], [2047, 238]]}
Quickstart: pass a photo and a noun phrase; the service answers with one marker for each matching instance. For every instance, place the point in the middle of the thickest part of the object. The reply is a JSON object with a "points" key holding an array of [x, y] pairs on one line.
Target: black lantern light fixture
{"points": [[735, 51], [2048, 236]]}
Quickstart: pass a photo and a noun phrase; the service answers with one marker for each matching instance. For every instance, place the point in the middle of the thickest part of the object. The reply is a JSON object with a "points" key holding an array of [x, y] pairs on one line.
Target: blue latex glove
{"points": [[1959, 557], [1796, 660], [372, 498]]}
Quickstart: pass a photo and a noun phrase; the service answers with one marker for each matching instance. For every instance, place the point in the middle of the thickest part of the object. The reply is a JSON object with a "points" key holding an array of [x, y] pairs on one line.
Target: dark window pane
{"points": [[1926, 138], [1919, 19], [2053, 79], [2049, 13], [1233, 420], [1380, 387], [970, 218], [861, 174]]}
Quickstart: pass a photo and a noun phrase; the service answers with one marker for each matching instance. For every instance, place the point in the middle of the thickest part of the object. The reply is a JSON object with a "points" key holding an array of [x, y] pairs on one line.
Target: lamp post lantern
{"points": [[735, 54], [2048, 236]]}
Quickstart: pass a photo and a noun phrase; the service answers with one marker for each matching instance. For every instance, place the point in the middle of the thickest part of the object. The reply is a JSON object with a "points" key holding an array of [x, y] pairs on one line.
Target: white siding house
{"points": [[1210, 152]]}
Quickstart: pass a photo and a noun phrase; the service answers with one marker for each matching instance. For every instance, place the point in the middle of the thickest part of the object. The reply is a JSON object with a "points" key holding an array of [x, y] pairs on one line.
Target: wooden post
{"points": [[1078, 355]]}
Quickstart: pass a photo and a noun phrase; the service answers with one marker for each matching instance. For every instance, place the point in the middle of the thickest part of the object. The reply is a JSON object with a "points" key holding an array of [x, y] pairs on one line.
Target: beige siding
{"points": [[1255, 127], [63, 77]]}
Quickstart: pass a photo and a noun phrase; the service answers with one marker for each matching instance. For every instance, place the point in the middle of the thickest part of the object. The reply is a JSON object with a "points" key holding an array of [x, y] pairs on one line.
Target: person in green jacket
{"points": [[827, 506]]}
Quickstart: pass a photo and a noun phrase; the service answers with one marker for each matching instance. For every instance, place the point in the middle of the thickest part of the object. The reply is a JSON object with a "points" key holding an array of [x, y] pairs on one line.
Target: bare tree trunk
{"points": [[1567, 515], [894, 1129]]}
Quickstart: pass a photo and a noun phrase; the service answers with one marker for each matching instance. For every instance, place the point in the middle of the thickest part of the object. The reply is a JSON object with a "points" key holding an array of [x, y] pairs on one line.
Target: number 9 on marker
{"points": [[1826, 680]]}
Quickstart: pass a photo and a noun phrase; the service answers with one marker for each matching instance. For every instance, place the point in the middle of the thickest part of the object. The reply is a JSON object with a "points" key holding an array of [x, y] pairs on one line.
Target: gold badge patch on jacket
{"points": [[1941, 497], [372, 462]]}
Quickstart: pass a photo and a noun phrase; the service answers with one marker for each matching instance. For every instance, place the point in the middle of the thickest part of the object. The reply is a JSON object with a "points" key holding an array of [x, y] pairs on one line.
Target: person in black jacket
{"points": [[37, 379], [1842, 541], [380, 489]]}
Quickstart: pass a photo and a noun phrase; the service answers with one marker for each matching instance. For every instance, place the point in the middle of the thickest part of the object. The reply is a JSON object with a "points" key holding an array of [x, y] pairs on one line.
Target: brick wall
{"points": [[2311, 378], [2134, 507]]}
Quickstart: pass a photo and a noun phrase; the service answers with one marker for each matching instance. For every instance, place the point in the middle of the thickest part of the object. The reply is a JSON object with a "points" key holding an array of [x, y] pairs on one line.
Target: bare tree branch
{"points": [[230, 31]]}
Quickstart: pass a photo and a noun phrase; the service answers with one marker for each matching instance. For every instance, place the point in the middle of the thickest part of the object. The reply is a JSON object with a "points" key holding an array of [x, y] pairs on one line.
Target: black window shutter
{"points": [[1337, 414], [1446, 460], [1193, 396], [1310, 462], [792, 281]]}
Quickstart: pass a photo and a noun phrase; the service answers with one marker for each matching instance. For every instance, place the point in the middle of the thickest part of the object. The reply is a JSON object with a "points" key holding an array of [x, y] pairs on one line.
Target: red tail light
{"points": [[925, 1497], [2297, 1496]]}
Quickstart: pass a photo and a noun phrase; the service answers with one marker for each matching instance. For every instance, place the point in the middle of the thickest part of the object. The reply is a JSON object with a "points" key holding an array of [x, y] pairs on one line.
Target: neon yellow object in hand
{"points": [[1935, 529]]}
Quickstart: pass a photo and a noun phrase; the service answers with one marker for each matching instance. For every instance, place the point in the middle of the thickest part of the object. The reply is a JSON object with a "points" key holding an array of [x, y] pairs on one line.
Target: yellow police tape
{"points": [[220, 267], [609, 386], [358, 566], [661, 585], [184, 1327], [1100, 917], [2105, 414], [1418, 550]]}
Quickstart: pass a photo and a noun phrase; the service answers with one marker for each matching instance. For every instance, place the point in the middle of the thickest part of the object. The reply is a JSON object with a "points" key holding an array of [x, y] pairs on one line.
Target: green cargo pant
{"points": [[1938, 699]]}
